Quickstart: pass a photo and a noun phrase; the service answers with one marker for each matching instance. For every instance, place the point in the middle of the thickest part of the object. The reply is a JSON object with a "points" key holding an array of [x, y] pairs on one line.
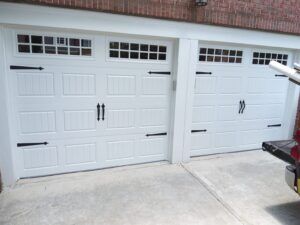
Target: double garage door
{"points": [[82, 102], [239, 102], [96, 101]]}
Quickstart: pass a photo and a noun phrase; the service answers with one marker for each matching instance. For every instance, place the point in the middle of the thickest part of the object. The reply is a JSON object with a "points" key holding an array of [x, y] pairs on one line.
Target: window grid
{"points": [[263, 58], [220, 55], [51, 45], [137, 51]]}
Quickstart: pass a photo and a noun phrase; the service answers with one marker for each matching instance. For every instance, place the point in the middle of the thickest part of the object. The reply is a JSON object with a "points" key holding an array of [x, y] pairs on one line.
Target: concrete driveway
{"points": [[240, 188]]}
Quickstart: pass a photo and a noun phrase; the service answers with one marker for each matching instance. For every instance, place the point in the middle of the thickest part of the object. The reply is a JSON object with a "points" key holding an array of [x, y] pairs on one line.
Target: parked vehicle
{"points": [[288, 150]]}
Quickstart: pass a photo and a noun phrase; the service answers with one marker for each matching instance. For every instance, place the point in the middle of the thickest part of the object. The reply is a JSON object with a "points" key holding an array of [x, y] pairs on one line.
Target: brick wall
{"points": [[270, 15]]}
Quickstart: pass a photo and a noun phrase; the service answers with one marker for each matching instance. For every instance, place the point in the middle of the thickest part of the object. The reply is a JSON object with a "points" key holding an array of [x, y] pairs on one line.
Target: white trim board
{"points": [[26, 15]]}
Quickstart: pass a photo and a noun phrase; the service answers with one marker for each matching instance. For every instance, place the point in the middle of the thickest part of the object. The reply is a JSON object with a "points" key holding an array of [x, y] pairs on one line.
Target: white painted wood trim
{"points": [[7, 158], [22, 14]]}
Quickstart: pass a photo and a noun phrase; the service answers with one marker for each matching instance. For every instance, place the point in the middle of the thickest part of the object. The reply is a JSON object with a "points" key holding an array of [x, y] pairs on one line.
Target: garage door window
{"points": [[220, 55], [50, 45], [137, 51], [264, 58]]}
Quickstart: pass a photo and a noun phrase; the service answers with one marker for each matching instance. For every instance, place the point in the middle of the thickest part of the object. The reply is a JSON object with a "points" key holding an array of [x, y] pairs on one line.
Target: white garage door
{"points": [[238, 101], [97, 102]]}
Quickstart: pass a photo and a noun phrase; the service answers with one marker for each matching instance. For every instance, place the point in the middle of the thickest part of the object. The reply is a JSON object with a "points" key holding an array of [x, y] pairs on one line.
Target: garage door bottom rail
{"points": [[281, 149]]}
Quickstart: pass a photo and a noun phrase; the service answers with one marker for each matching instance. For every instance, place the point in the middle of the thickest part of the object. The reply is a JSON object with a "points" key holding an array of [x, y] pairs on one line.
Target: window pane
{"points": [[50, 50], [261, 62], [239, 53], [134, 55], [114, 54], [86, 43], [255, 61], [217, 59], [255, 54], [74, 42], [143, 55], [134, 47], [124, 55], [74, 51], [162, 56], [162, 49], [210, 58], [225, 59], [274, 56], [153, 48], [49, 40], [114, 45], [238, 60], [37, 49], [202, 58], [36, 39], [24, 48], [62, 41], [268, 55], [153, 56], [86, 51], [62, 50], [285, 57], [218, 51], [232, 53], [225, 52], [210, 51], [125, 46], [23, 38], [203, 50], [144, 48]]}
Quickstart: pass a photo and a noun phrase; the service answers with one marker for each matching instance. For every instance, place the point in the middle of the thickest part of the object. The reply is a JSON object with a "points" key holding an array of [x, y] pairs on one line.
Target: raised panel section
{"points": [[153, 117], [35, 84], [120, 150], [201, 141], [205, 85], [203, 114], [82, 153], [227, 113], [256, 85], [79, 84], [121, 85], [80, 120], [37, 122], [155, 86], [40, 157], [121, 118], [152, 146], [227, 139], [230, 85], [277, 86]]}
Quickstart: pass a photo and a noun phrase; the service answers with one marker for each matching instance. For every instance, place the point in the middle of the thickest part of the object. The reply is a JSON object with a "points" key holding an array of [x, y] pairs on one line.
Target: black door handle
{"points": [[240, 107], [98, 112], [198, 131], [31, 144], [244, 106], [103, 111], [275, 125]]}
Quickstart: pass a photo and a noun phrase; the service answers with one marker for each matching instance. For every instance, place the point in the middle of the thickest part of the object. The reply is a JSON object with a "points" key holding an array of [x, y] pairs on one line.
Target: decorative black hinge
{"points": [[31, 144], [160, 72], [275, 125], [280, 75], [12, 67], [199, 72], [157, 134], [198, 131]]}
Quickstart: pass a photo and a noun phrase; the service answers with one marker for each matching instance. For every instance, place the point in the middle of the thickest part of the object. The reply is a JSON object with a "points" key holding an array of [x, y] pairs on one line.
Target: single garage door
{"points": [[84, 102], [238, 101]]}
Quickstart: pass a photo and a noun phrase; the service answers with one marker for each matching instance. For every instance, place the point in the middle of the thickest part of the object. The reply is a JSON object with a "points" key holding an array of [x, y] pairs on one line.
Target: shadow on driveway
{"points": [[287, 213]]}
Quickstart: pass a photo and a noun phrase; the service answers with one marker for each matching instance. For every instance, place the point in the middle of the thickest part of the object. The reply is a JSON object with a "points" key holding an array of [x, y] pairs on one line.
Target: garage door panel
{"points": [[203, 114], [226, 139], [252, 137], [120, 150], [275, 98], [254, 112], [277, 86], [227, 113], [35, 84], [40, 157], [121, 118], [76, 154], [257, 124], [256, 85], [118, 86], [230, 85], [152, 147], [205, 85], [79, 84], [274, 111], [80, 120], [226, 126], [205, 100], [153, 117], [201, 141], [155, 86], [37, 122]]}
